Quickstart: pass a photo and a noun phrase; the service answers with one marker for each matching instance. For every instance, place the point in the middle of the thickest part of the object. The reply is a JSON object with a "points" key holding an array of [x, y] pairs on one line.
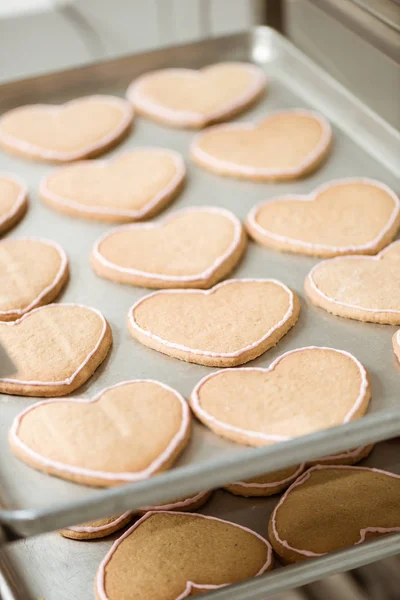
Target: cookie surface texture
{"points": [[13, 201], [266, 485]]}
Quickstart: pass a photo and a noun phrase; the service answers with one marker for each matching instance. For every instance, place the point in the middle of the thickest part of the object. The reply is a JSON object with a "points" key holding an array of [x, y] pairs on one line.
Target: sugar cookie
{"points": [[348, 457], [170, 556], [193, 99], [126, 433], [13, 201], [194, 247], [60, 133], [396, 344], [230, 324], [284, 145], [330, 508], [266, 485], [344, 216], [135, 185], [54, 349], [258, 407]]}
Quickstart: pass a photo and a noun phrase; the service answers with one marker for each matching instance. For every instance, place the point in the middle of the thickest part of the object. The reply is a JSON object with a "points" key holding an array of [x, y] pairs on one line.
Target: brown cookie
{"points": [[13, 201], [266, 485]]}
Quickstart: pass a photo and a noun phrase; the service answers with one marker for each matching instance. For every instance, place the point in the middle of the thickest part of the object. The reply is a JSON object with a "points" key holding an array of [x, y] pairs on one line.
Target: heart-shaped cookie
{"points": [[330, 508], [194, 247], [359, 287], [345, 216], [230, 324], [54, 349], [13, 201], [32, 272], [189, 98], [396, 344], [266, 485], [61, 133], [126, 433], [302, 391], [170, 556], [135, 185], [284, 145]]}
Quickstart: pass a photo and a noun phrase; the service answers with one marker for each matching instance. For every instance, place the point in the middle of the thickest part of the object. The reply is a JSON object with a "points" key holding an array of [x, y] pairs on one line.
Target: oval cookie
{"points": [[135, 185], [348, 457], [230, 324], [344, 216], [284, 145], [266, 485], [13, 201], [126, 433], [331, 508], [189, 98], [258, 407], [170, 556], [54, 349], [193, 247], [61, 133]]}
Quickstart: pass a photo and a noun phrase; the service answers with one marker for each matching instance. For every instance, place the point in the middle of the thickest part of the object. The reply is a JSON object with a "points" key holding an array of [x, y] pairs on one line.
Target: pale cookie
{"points": [[54, 349], [171, 556], [331, 508], [365, 288], [258, 407], [193, 99], [13, 201], [33, 272], [348, 457], [284, 145], [126, 433], [192, 248], [344, 216], [266, 485], [78, 129], [230, 324], [396, 344], [135, 185]]}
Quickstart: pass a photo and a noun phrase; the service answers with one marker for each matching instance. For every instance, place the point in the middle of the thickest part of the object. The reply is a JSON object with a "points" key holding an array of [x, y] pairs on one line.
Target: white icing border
{"points": [[108, 476], [104, 163], [198, 409], [23, 146], [100, 575], [271, 484], [20, 201]]}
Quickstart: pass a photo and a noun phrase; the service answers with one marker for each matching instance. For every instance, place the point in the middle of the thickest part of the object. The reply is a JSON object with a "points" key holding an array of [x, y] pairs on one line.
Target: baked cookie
{"points": [[54, 349], [348, 457], [170, 556], [330, 508], [396, 344], [191, 248], [33, 272], [78, 129], [135, 185], [284, 145], [344, 216], [364, 288], [13, 201], [230, 324], [193, 99], [258, 407], [125, 434], [266, 485]]}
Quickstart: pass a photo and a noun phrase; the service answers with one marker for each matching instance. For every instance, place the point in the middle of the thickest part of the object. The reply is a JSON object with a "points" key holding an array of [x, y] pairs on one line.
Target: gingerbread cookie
{"points": [[359, 287], [54, 349], [193, 247], [284, 145], [126, 433], [78, 129], [396, 344], [348, 457], [13, 201], [330, 508], [230, 324], [170, 556], [193, 99], [258, 407], [344, 216], [135, 185], [266, 485]]}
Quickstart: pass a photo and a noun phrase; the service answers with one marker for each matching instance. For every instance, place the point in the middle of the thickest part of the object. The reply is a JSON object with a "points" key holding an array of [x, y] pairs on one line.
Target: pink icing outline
{"points": [[46, 290], [136, 476], [238, 229], [89, 356], [23, 146], [136, 97], [313, 196], [302, 479], [238, 169], [246, 484], [103, 163], [347, 454], [100, 576], [21, 199], [197, 408], [194, 351]]}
